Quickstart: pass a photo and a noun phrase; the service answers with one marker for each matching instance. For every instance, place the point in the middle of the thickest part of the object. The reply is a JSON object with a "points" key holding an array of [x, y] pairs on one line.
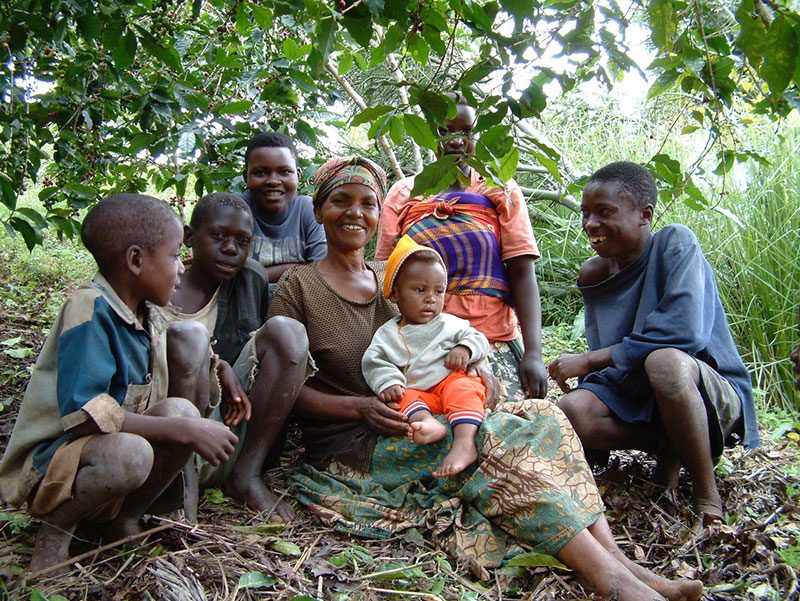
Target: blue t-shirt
{"points": [[666, 298], [293, 237]]}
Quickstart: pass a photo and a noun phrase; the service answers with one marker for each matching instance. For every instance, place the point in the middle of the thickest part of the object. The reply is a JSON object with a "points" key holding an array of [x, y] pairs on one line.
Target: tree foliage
{"points": [[101, 96]]}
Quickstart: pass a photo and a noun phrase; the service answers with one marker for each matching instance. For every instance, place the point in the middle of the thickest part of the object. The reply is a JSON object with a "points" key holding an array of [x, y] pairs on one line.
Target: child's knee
{"points": [[123, 462], [174, 407], [187, 345], [284, 336]]}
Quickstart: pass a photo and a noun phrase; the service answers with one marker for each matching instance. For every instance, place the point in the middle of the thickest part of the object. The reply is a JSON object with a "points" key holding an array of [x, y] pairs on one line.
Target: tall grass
{"points": [[758, 271]]}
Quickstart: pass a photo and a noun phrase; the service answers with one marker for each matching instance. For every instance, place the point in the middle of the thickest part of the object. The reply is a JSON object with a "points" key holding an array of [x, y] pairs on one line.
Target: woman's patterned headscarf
{"points": [[348, 170]]}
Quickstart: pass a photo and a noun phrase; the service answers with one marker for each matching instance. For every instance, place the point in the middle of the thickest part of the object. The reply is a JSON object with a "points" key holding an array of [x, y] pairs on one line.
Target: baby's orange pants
{"points": [[459, 397]]}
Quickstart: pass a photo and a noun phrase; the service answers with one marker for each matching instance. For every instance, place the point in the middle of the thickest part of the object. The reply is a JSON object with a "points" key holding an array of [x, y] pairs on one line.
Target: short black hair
{"points": [[635, 180], [269, 139], [123, 220], [205, 207]]}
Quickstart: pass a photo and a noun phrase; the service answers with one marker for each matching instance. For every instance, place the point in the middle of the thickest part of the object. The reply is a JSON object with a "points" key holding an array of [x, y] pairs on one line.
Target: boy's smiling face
{"points": [[272, 177], [616, 228], [221, 243]]}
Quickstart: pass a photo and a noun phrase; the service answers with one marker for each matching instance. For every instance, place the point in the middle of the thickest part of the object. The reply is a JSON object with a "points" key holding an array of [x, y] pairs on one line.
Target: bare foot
{"points": [[708, 509], [255, 494], [674, 590], [426, 431], [460, 457], [120, 528], [51, 548], [623, 586], [668, 469]]}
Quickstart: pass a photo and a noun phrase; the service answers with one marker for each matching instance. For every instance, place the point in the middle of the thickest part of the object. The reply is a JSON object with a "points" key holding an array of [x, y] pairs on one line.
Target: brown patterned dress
{"points": [[529, 490]]}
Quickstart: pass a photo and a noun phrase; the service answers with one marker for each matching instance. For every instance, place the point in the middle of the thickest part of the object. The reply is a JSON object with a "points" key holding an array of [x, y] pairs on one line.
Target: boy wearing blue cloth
{"points": [[91, 443], [663, 373], [285, 232]]}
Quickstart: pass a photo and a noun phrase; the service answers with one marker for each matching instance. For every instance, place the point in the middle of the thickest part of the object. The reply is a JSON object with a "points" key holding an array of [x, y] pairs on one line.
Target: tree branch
{"points": [[382, 140]]}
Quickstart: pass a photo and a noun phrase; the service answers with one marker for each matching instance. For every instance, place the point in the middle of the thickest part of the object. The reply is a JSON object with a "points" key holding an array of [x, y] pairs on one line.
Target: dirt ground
{"points": [[233, 554]]}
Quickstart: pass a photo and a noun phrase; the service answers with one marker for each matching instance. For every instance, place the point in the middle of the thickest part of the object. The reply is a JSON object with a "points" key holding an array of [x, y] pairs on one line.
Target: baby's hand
{"points": [[458, 358], [393, 394]]}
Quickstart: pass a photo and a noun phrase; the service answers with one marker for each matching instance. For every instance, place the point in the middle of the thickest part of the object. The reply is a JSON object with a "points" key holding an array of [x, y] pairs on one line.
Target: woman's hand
{"points": [[483, 370], [382, 417], [533, 376], [237, 405]]}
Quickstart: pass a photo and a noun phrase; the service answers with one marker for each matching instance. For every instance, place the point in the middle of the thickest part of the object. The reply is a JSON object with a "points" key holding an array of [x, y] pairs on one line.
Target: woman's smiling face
{"points": [[349, 215]]}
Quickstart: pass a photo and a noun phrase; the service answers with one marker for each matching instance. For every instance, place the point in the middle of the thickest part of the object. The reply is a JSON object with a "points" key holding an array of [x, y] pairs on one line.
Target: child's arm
{"points": [[211, 440], [392, 394], [458, 358], [379, 371]]}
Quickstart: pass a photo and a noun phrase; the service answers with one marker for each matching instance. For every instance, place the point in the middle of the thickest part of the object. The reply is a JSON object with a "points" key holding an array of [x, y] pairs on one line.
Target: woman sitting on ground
{"points": [[530, 488]]}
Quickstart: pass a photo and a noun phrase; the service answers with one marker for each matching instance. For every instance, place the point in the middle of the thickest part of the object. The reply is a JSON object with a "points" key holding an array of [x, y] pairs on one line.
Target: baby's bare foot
{"points": [[51, 548], [255, 494], [427, 430], [460, 457]]}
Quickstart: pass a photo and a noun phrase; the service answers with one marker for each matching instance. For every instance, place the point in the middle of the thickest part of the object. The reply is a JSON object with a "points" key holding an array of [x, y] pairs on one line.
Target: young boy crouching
{"points": [[91, 442], [226, 292]]}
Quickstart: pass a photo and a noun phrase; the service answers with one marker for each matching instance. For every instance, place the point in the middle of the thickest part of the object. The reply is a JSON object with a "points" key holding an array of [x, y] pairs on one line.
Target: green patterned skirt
{"points": [[530, 489]]}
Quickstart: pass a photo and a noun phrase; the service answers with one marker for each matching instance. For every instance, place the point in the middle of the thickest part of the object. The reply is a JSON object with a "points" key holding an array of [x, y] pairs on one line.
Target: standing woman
{"points": [[484, 235], [529, 489]]}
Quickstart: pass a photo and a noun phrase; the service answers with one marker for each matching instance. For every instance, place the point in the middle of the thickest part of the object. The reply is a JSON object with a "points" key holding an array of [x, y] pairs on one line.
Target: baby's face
{"points": [[419, 290]]}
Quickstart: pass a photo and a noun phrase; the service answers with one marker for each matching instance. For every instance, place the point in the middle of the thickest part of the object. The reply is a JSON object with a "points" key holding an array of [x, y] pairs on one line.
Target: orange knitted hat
{"points": [[404, 248]]}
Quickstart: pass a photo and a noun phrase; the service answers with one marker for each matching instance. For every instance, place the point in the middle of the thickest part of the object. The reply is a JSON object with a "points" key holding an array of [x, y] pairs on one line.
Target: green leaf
{"points": [[345, 62], [752, 33], [10, 342], [165, 54], [291, 49], [434, 105], [519, 9], [285, 547], [215, 495], [508, 164], [325, 34], [262, 15], [396, 130], [667, 168], [497, 140], [536, 560], [419, 129], [489, 119], [408, 571], [663, 23], [371, 113], [125, 52], [33, 216], [255, 580], [234, 107], [359, 29], [781, 55], [30, 234], [266, 528], [90, 26], [436, 176], [418, 48], [477, 73], [305, 133], [663, 83], [19, 353]]}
